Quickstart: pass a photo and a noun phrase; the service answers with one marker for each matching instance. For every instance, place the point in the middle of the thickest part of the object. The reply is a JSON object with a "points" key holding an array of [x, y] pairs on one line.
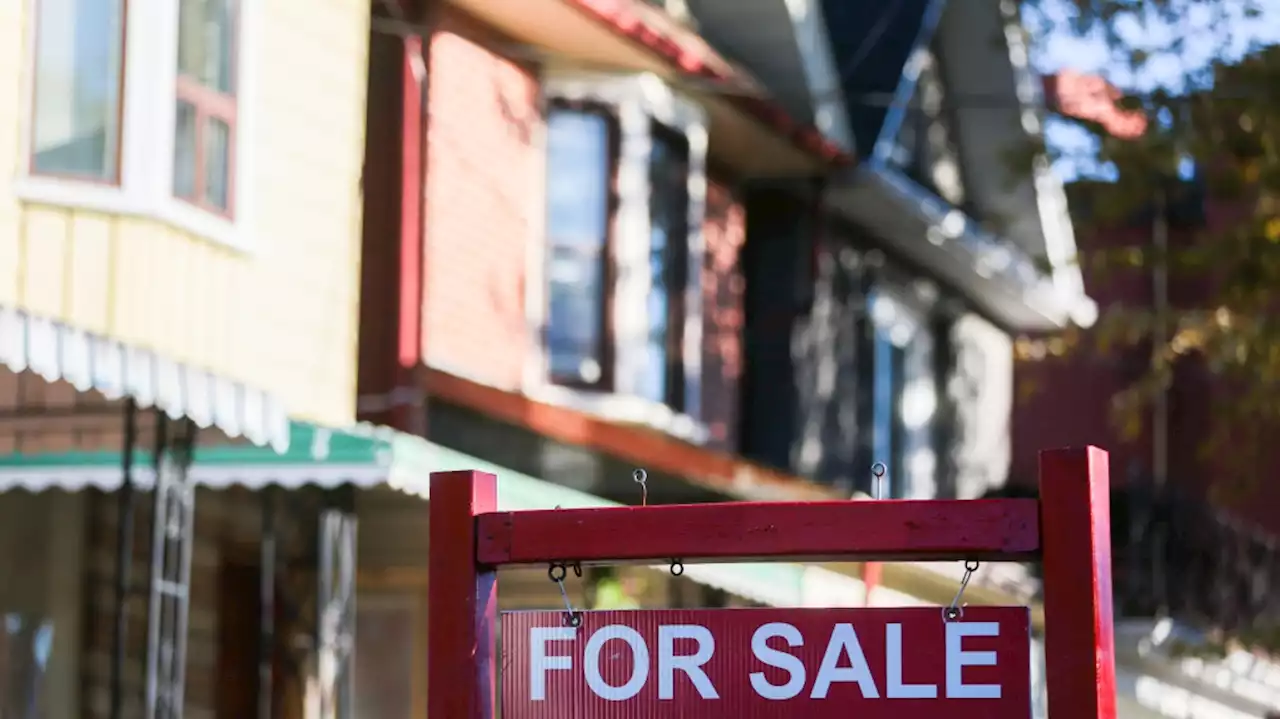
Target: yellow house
{"points": [[183, 179], [180, 232]]}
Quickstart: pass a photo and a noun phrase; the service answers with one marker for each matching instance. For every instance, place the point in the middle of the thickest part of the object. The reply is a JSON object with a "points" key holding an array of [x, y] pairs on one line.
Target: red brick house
{"points": [[603, 245]]}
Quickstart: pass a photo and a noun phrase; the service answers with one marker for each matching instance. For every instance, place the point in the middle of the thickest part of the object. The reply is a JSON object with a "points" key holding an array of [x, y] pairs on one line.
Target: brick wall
{"points": [[484, 190], [723, 287]]}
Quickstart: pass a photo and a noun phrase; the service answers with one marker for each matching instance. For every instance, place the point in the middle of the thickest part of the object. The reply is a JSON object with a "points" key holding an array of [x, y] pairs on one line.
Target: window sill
{"points": [[625, 410], [116, 201]]}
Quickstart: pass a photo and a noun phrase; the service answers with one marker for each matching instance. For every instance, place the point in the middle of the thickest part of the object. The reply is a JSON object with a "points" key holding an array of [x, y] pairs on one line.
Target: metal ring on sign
{"points": [[951, 614], [878, 470], [577, 569], [971, 565], [677, 567], [557, 572], [573, 619], [641, 477]]}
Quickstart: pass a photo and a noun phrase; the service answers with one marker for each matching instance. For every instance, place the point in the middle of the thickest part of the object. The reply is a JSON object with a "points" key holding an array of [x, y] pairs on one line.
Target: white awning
{"points": [[58, 352]]}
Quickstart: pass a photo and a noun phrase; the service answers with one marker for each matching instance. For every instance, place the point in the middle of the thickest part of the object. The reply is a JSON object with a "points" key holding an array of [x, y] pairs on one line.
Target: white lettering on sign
{"points": [[774, 658], [844, 640], [639, 663], [896, 688], [842, 661], [540, 662], [958, 659], [691, 664]]}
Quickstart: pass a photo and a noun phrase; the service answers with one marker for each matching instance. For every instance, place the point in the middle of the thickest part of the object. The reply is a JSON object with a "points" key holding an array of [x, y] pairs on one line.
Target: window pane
{"points": [[578, 189], [904, 395], [882, 410], [919, 404], [668, 265], [577, 177], [575, 326], [79, 51], [206, 43], [217, 162], [184, 152]]}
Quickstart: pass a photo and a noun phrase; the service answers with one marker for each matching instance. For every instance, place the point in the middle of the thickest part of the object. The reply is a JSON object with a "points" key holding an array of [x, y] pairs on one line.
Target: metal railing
{"points": [[1174, 555]]}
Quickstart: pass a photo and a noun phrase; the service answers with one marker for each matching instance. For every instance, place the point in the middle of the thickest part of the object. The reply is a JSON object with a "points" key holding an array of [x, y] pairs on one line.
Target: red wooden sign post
{"points": [[904, 663]]}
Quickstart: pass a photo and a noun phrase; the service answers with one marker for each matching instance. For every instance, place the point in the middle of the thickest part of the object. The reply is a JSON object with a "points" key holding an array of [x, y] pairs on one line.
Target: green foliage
{"points": [[1217, 103], [1221, 108]]}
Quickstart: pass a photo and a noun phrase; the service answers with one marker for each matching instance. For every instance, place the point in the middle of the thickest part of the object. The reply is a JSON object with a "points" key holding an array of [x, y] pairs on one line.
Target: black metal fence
{"points": [[1175, 555]]}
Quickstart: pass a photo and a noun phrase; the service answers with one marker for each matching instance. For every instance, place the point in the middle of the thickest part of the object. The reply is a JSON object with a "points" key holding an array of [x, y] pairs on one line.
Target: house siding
{"points": [[279, 316]]}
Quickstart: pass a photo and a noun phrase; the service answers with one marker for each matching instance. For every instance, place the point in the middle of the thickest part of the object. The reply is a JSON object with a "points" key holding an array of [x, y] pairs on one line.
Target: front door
{"points": [[238, 638]]}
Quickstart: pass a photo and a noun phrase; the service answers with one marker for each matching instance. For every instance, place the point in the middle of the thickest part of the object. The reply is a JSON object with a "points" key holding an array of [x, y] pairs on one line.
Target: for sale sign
{"points": [[743, 663]]}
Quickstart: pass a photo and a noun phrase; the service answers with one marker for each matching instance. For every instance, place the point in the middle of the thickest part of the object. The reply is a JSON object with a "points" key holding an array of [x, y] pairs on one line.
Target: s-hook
{"points": [[955, 611], [557, 573]]}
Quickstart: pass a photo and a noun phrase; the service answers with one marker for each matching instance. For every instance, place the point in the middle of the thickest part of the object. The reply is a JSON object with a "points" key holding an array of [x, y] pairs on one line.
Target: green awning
{"points": [[316, 456], [367, 456]]}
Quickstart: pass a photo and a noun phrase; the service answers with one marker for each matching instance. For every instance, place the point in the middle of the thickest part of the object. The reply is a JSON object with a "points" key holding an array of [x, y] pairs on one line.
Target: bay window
{"points": [[580, 158], [77, 89], [206, 105], [668, 265], [624, 177], [136, 109]]}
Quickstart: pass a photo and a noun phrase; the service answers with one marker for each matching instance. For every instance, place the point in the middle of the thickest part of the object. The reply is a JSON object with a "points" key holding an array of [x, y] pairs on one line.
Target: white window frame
{"points": [[148, 128], [638, 101]]}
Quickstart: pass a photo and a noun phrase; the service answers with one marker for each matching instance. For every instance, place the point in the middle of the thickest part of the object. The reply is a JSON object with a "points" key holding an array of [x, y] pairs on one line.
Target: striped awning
{"points": [[369, 457], [58, 352]]}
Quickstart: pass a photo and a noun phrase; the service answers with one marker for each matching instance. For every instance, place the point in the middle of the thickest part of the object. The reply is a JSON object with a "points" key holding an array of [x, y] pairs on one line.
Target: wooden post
{"points": [[1075, 538], [463, 611]]}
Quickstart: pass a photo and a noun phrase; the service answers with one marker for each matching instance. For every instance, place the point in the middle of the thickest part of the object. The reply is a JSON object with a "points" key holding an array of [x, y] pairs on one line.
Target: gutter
{"points": [[987, 255], [702, 63]]}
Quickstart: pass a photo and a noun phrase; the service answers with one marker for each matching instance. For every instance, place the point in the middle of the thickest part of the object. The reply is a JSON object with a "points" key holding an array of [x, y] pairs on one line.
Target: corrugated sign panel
{"points": [[768, 663]]}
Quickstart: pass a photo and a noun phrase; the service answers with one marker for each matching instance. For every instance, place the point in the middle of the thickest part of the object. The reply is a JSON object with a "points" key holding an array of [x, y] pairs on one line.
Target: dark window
{"points": [[669, 266], [904, 396], [581, 148]]}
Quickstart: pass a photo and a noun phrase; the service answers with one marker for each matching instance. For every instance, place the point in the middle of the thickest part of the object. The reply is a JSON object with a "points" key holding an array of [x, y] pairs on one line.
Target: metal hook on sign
{"points": [[556, 573], [677, 567], [641, 477], [955, 611], [878, 470]]}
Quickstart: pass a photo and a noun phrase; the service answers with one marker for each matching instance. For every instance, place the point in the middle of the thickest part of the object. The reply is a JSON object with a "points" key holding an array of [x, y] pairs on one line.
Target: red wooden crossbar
{"points": [[1069, 528], [931, 530]]}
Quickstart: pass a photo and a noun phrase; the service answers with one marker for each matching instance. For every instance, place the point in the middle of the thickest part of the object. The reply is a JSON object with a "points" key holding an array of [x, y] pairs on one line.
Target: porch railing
{"points": [[1177, 556]]}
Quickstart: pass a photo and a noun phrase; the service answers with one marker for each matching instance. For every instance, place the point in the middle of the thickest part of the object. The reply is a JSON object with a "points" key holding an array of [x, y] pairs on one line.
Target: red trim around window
{"points": [[212, 104], [33, 67]]}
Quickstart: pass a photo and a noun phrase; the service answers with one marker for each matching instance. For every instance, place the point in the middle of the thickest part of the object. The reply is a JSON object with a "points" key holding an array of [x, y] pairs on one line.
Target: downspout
{"points": [[406, 411]]}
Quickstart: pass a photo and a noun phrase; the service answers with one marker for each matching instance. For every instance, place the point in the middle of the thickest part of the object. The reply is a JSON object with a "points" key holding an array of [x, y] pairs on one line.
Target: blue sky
{"points": [[1205, 37]]}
